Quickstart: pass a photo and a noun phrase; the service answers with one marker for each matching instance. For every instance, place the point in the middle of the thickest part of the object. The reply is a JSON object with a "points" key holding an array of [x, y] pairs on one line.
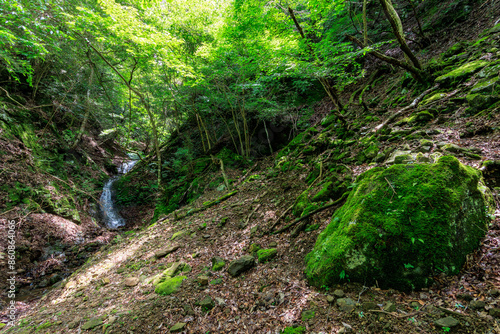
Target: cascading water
{"points": [[112, 218]]}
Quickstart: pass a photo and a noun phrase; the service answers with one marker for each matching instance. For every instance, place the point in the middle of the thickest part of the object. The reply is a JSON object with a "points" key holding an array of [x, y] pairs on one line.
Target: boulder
{"points": [[169, 286], [217, 263], [401, 223], [238, 266], [461, 73], [265, 255]]}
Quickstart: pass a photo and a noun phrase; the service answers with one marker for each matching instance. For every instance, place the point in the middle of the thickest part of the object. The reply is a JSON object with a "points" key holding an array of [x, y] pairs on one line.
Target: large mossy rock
{"points": [[402, 224]]}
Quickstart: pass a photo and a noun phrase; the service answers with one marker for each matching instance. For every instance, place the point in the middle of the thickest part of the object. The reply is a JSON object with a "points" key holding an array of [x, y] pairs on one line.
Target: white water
{"points": [[112, 218]]}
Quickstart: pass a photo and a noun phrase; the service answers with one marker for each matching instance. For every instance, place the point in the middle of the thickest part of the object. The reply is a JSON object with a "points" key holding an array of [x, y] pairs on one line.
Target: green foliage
{"points": [[170, 285], [265, 255], [294, 330]]}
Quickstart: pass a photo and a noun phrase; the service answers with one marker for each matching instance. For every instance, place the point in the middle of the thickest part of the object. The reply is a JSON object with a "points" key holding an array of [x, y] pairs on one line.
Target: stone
{"points": [[273, 244], [494, 312], [330, 299], [307, 315], [253, 248], [206, 304], [131, 281], [477, 304], [105, 281], [479, 102], [389, 203], [346, 304], [203, 280], [394, 155], [92, 323], [338, 293], [170, 286], [178, 327], [265, 255], [216, 281], [238, 266], [166, 251], [494, 292], [179, 235], [486, 86], [217, 263], [447, 322], [367, 306], [461, 73], [188, 310], [111, 319], [415, 305], [389, 307], [74, 324]]}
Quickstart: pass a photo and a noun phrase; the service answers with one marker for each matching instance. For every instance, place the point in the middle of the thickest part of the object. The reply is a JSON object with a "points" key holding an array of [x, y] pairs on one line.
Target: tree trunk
{"points": [[87, 111]]}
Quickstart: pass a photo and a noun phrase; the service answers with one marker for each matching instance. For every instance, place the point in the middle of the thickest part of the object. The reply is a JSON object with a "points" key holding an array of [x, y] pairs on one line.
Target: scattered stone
{"points": [[178, 327], [92, 323], [462, 72], [273, 244], [131, 281], [253, 248], [238, 266], [105, 281], [206, 304], [74, 324], [338, 293], [217, 263], [179, 235], [265, 255], [447, 322], [254, 230], [203, 280], [308, 315], [330, 299], [188, 310], [479, 101], [216, 281], [346, 304], [206, 236], [415, 305], [397, 155], [166, 251], [389, 307], [477, 304]]}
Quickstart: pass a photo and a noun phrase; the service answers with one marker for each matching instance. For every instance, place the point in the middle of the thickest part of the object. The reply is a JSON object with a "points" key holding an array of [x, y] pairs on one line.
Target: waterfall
{"points": [[112, 218]]}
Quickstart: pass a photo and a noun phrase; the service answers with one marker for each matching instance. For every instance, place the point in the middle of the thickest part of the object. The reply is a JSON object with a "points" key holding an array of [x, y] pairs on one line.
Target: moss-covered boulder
{"points": [[170, 286], [461, 73], [403, 224], [265, 255]]}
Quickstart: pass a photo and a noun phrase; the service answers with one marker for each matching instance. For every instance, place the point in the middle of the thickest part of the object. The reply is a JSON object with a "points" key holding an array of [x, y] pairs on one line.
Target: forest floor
{"points": [[112, 293]]}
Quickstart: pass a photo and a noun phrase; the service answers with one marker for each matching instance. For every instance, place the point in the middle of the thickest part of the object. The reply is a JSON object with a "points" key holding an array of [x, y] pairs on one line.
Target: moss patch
{"points": [[294, 330], [265, 255], [462, 72], [170, 286], [401, 225]]}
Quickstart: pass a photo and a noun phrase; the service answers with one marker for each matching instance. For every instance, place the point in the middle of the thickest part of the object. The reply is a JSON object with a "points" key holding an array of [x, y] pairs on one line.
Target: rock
{"points": [[203, 280], [415, 305], [397, 155], [346, 304], [179, 235], [265, 255], [330, 299], [206, 304], [338, 293], [188, 310], [494, 292], [477, 304], [461, 73], [253, 248], [494, 312], [385, 209], [486, 86], [447, 322], [178, 327], [74, 324], [131, 281], [452, 148], [105, 281], [170, 285], [432, 98], [238, 266], [216, 281], [166, 251], [254, 230], [389, 307], [307, 315], [273, 244], [367, 306], [111, 319], [217, 263], [92, 323], [479, 102]]}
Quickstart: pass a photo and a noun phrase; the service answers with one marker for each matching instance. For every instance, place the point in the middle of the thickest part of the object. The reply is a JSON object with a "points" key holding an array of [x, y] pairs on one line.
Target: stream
{"points": [[111, 216]]}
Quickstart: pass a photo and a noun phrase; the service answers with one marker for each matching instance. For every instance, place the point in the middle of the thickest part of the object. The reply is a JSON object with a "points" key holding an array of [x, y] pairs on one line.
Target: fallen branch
{"points": [[205, 206], [382, 126], [251, 214], [279, 218], [313, 213]]}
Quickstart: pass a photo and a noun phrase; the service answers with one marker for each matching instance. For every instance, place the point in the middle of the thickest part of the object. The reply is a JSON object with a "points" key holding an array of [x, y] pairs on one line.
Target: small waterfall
{"points": [[112, 218]]}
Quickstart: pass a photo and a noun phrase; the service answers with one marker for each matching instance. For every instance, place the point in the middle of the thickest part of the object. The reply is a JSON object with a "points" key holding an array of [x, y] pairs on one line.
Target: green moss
{"points": [[301, 203], [170, 285], [433, 98], [217, 264], [462, 72], [307, 315], [427, 215], [265, 255], [253, 248], [294, 330]]}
